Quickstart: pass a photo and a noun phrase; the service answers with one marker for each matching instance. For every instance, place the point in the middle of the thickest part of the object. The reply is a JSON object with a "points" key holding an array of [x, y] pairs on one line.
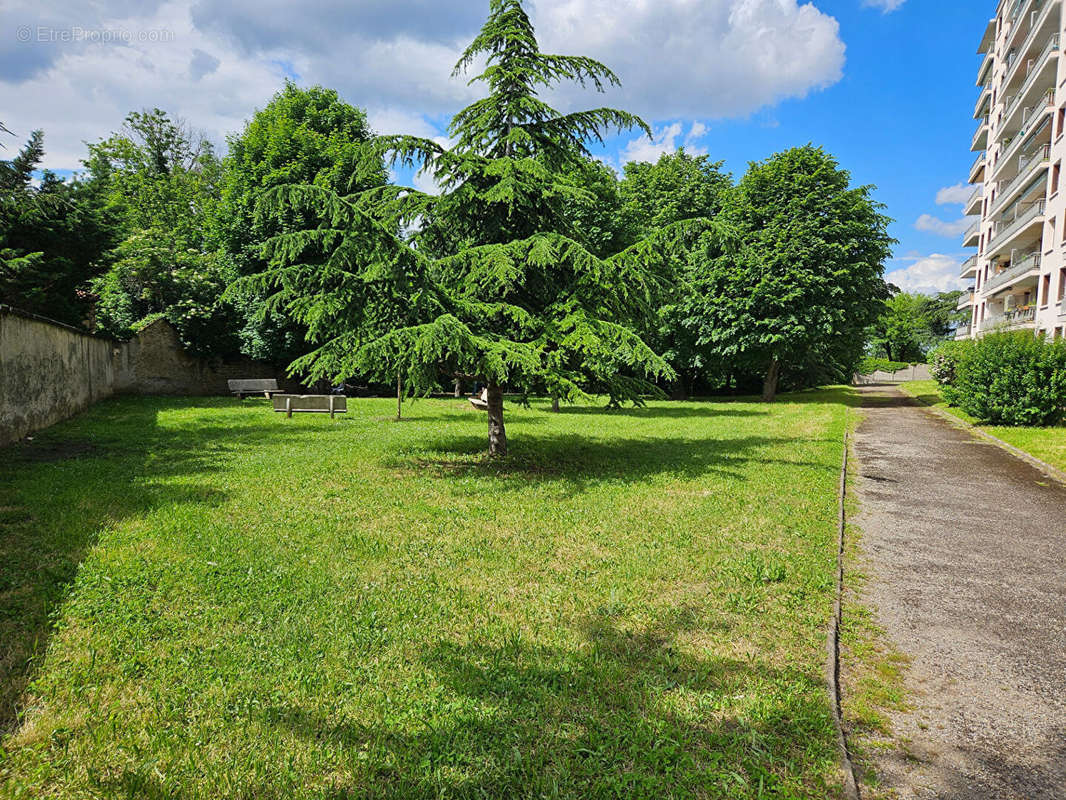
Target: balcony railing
{"points": [[1014, 221], [982, 132], [966, 300], [978, 162], [982, 99], [1028, 164], [969, 265], [963, 331], [972, 232], [1032, 115], [1020, 316], [1026, 43], [1018, 269], [1037, 64]]}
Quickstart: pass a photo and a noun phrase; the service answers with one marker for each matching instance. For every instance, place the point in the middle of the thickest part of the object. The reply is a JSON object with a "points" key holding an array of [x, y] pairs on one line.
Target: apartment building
{"points": [[1019, 269]]}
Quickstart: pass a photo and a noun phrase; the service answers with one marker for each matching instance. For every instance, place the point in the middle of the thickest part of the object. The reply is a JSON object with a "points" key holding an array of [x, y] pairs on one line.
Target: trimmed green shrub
{"points": [[944, 359], [1010, 379]]}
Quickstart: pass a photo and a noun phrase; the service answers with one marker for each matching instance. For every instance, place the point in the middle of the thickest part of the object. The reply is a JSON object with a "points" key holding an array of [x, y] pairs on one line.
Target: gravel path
{"points": [[966, 547]]}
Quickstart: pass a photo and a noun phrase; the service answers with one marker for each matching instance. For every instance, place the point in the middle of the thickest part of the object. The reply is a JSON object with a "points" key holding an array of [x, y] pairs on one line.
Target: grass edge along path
{"points": [[1044, 448], [227, 603]]}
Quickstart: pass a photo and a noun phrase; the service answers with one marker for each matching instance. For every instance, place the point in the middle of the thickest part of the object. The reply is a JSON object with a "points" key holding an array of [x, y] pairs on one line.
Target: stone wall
{"points": [[154, 362], [50, 371]]}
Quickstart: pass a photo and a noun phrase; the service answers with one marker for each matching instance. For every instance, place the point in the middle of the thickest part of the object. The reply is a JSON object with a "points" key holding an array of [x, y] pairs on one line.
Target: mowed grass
{"points": [[207, 600], [1047, 444]]}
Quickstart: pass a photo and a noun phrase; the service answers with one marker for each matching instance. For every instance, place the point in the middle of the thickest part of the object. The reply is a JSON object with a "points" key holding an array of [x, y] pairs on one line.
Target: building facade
{"points": [[1018, 273]]}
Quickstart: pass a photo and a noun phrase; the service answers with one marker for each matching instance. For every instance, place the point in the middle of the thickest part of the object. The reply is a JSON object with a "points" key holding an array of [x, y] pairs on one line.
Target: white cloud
{"points": [[929, 274], [678, 59], [699, 58], [885, 5], [931, 224], [954, 195], [665, 140]]}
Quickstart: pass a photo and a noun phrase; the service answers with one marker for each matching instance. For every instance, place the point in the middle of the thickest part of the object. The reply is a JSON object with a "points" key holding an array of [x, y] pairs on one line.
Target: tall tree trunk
{"points": [[458, 388], [769, 386], [497, 432], [555, 405], [399, 396]]}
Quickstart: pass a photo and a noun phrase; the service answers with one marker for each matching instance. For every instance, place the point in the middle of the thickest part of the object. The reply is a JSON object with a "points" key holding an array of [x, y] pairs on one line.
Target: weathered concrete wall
{"points": [[48, 372], [919, 372]]}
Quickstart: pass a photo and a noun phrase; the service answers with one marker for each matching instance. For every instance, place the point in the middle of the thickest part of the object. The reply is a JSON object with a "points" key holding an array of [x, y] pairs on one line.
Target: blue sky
{"points": [[885, 85]]}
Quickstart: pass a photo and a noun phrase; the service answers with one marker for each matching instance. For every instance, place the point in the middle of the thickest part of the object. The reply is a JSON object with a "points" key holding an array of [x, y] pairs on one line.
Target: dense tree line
{"points": [[537, 268]]}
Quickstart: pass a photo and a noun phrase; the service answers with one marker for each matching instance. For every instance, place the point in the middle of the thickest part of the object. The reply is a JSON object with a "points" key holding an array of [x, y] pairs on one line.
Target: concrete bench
{"points": [[265, 387], [290, 404]]}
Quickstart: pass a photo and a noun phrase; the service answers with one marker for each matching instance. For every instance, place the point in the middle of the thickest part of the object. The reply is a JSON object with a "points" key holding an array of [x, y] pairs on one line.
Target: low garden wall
{"points": [[918, 372], [50, 371]]}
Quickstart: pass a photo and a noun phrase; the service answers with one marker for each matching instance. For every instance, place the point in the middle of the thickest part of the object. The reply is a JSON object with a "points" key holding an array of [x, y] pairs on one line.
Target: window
{"points": [[1049, 237], [1055, 177], [1058, 333], [1062, 284], [1045, 291], [1061, 126]]}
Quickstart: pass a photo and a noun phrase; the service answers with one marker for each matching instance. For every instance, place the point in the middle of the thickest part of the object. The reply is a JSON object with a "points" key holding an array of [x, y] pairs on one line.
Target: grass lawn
{"points": [[1047, 444], [202, 599]]}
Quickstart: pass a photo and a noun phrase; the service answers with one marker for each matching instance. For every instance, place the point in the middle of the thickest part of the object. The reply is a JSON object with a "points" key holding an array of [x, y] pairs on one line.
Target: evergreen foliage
{"points": [[53, 236], [494, 288]]}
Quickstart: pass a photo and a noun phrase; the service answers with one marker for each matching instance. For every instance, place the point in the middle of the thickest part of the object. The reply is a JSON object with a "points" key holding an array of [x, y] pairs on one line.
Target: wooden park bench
{"points": [[290, 404], [247, 388]]}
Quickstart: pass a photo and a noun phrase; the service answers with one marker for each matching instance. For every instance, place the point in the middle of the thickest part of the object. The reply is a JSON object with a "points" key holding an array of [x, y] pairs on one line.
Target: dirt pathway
{"points": [[966, 547]]}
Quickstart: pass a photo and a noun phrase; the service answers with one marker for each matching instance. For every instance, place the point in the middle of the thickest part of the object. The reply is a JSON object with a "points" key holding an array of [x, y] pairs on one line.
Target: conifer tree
{"points": [[494, 286]]}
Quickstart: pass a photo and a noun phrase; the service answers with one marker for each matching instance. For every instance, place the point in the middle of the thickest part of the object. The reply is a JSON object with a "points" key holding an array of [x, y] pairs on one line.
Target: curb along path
{"points": [[966, 547]]}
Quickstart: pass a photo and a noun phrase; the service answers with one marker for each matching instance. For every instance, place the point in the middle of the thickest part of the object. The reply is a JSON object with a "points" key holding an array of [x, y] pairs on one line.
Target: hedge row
{"points": [[1011, 378]]}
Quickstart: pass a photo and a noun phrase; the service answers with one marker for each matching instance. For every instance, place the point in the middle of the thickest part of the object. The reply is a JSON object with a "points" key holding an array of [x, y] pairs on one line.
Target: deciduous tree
{"points": [[807, 280]]}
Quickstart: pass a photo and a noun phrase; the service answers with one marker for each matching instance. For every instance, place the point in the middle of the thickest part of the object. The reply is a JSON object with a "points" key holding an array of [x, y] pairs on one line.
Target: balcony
{"points": [[972, 238], [966, 301], [1027, 140], [969, 268], [988, 38], [984, 101], [973, 205], [980, 139], [1029, 164], [962, 332], [1021, 267], [1036, 69], [986, 67], [1017, 318], [1038, 26], [1015, 222], [977, 171]]}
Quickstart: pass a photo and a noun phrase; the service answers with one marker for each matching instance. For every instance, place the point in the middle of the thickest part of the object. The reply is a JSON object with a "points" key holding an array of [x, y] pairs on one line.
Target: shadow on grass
{"points": [[616, 715], [60, 490], [579, 463], [688, 410]]}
